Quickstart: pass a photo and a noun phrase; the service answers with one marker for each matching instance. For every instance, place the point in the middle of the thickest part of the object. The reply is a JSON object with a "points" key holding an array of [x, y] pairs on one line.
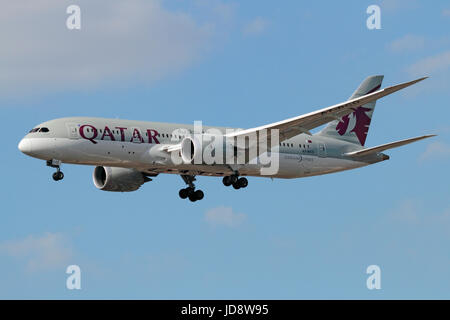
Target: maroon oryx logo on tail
{"points": [[362, 122]]}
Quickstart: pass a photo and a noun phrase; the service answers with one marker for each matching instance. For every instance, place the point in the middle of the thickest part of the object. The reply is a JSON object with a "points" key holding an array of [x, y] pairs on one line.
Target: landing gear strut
{"points": [[58, 175], [190, 191], [235, 181]]}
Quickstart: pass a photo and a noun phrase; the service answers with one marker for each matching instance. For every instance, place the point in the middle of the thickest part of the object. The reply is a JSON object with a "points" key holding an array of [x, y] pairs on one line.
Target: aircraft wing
{"points": [[368, 151], [303, 124]]}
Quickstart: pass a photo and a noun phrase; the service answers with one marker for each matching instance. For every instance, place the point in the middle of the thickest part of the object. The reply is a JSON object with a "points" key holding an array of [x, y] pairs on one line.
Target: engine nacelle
{"points": [[117, 179]]}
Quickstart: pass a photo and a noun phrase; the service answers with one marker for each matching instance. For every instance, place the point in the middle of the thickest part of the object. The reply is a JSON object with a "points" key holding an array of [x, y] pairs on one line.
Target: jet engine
{"points": [[118, 179]]}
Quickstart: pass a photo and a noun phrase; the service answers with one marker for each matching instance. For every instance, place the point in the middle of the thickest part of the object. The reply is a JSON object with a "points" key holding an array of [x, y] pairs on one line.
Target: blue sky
{"points": [[240, 64]]}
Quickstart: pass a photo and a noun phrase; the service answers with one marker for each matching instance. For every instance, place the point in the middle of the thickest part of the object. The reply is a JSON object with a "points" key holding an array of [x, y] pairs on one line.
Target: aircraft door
{"points": [[322, 151], [72, 130]]}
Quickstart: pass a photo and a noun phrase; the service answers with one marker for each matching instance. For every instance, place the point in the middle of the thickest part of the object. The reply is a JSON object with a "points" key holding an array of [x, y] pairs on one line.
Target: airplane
{"points": [[126, 154]]}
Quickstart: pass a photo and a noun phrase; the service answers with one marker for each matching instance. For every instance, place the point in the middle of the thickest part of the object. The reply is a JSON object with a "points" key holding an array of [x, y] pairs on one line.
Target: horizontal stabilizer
{"points": [[368, 151]]}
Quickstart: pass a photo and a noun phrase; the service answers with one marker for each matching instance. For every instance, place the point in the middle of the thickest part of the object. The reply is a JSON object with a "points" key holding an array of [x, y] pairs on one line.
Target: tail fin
{"points": [[355, 126]]}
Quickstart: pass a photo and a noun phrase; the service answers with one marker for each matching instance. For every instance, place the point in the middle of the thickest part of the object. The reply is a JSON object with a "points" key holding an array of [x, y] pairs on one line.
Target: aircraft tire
{"points": [[58, 176], [192, 197], [183, 193], [243, 182], [226, 181], [199, 194]]}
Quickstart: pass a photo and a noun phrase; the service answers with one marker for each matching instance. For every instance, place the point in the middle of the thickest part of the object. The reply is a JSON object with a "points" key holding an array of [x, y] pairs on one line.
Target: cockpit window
{"points": [[43, 129]]}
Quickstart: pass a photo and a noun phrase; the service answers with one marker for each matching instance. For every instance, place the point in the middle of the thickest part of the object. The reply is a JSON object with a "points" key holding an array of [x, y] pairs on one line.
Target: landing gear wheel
{"points": [[53, 163], [230, 180], [58, 175], [236, 185], [242, 182], [199, 194], [190, 192], [226, 181], [183, 193], [192, 197]]}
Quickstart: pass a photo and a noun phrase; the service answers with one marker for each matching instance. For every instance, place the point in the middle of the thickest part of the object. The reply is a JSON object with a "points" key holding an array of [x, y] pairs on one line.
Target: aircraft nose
{"points": [[25, 146]]}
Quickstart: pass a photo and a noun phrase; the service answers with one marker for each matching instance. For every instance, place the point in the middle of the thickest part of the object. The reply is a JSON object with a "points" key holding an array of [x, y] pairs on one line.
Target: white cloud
{"points": [[407, 43], [45, 252], [136, 40], [436, 150], [255, 27], [224, 216], [435, 64]]}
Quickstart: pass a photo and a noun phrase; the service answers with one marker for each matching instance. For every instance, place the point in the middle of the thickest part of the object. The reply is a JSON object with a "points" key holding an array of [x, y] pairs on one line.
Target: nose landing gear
{"points": [[58, 175]]}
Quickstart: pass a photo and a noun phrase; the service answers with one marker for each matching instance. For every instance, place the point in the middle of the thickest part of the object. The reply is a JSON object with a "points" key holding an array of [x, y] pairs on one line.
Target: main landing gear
{"points": [[190, 191], [58, 175], [235, 181]]}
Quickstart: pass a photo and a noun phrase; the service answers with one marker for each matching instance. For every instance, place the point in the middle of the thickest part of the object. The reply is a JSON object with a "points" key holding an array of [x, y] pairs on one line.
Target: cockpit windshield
{"points": [[43, 129]]}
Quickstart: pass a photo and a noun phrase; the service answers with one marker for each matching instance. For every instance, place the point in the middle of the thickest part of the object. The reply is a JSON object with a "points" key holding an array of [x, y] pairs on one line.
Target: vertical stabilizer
{"points": [[355, 126]]}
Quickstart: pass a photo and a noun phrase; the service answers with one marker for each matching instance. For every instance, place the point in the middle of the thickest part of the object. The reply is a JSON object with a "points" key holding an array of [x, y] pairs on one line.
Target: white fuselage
{"points": [[138, 145]]}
